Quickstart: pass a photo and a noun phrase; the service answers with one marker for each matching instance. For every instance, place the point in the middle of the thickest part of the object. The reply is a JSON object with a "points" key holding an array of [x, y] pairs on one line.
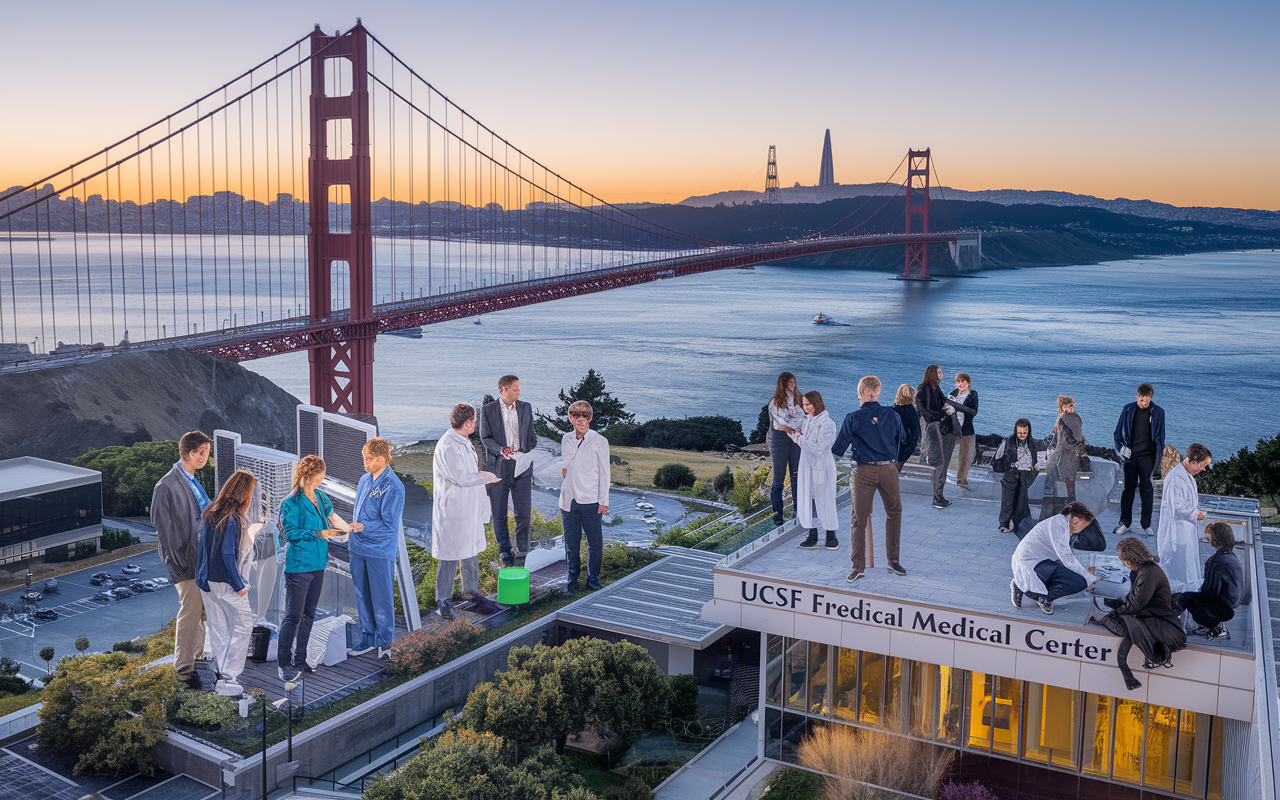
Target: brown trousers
{"points": [[189, 636], [867, 480], [964, 452]]}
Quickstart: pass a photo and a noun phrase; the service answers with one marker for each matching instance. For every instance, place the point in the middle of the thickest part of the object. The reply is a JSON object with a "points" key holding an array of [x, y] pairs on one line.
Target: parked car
{"points": [[160, 582], [131, 569], [142, 586], [123, 592], [104, 597], [103, 580], [32, 596], [51, 586], [45, 614], [101, 575]]}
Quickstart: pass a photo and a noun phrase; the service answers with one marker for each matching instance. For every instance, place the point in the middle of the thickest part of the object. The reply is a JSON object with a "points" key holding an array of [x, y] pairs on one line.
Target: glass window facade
{"points": [[23, 519], [1116, 740]]}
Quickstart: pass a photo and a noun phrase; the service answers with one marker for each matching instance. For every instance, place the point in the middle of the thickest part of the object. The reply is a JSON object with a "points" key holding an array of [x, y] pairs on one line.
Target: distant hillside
{"points": [[1014, 235], [1242, 217]]}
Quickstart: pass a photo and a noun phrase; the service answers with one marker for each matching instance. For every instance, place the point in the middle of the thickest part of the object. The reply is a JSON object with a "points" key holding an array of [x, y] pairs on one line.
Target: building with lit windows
{"points": [[45, 504], [1033, 705]]}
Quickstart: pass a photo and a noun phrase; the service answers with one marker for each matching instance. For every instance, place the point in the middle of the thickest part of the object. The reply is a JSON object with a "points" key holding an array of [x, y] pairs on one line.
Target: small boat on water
{"points": [[822, 319]]}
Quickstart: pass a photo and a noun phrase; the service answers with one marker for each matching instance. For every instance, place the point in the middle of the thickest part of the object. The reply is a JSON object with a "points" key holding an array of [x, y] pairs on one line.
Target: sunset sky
{"points": [[1177, 102]]}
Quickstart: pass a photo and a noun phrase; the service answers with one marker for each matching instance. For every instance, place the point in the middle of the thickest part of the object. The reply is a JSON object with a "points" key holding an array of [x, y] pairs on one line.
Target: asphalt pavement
{"points": [[102, 623]]}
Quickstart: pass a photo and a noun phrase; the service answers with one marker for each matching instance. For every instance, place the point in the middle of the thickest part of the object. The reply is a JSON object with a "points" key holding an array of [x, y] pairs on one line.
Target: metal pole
{"points": [[263, 700]]}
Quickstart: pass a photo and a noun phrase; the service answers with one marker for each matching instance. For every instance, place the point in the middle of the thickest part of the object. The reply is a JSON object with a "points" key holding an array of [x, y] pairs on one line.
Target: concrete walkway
{"points": [[713, 767]]}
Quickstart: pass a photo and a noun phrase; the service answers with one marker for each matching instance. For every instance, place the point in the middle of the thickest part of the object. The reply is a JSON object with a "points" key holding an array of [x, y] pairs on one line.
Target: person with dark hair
{"points": [[1044, 568], [373, 546], [875, 434], [176, 504], [222, 564], [786, 416], [1068, 445], [1178, 539], [1145, 616], [308, 521], [904, 404], [1223, 587], [459, 511], [961, 408], [817, 489], [936, 442], [1016, 458], [506, 431], [1139, 440]]}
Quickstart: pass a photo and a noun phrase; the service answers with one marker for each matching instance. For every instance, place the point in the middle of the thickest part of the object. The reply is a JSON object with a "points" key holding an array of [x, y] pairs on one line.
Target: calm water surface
{"points": [[1202, 329]]}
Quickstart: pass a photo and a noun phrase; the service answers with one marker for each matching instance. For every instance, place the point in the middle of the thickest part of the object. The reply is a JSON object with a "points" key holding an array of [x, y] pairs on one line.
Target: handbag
{"points": [[1090, 538], [1085, 466]]}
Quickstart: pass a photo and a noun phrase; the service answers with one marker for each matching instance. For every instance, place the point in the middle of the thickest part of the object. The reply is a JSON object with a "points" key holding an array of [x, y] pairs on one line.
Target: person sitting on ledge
{"points": [[1044, 568], [1221, 592], [1145, 616]]}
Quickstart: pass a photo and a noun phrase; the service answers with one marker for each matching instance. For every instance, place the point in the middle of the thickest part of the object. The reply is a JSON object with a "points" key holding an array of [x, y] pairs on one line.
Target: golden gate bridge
{"points": [[243, 268]]}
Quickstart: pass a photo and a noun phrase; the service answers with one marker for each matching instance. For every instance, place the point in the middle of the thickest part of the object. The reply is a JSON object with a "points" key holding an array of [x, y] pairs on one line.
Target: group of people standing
{"points": [[207, 546]]}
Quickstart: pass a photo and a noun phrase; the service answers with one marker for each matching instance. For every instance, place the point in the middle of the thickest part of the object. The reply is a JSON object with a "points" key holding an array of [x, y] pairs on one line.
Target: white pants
{"points": [[230, 621]]}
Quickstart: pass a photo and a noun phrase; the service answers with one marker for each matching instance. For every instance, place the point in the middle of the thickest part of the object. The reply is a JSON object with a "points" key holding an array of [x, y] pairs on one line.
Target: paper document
{"points": [[523, 462]]}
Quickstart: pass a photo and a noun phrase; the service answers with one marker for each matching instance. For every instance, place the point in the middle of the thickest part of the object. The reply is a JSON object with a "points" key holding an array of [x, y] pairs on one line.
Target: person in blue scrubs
{"points": [[375, 536]]}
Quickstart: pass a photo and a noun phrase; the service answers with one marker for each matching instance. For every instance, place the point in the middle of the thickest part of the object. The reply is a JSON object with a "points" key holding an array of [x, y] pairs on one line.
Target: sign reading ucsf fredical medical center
{"points": [[897, 615]]}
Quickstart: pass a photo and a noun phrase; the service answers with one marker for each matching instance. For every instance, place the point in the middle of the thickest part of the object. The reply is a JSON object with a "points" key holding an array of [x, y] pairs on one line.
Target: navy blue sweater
{"points": [[910, 429], [874, 431], [216, 559]]}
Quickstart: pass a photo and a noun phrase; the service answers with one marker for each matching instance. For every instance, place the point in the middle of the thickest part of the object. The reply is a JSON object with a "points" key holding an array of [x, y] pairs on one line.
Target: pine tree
{"points": [[606, 409]]}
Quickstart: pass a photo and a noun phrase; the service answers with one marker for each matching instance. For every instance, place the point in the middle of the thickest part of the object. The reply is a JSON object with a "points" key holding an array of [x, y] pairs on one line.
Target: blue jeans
{"points": [[372, 579], [583, 518]]}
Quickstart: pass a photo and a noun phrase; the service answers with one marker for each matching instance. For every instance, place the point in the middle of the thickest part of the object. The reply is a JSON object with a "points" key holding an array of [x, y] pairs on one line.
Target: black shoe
{"points": [[445, 609], [483, 605], [288, 674], [778, 520], [593, 587], [1005, 529], [811, 540], [1015, 594], [570, 589], [304, 667], [1218, 633], [192, 681], [896, 568], [941, 502], [507, 560], [832, 542], [1045, 605], [520, 561], [854, 576]]}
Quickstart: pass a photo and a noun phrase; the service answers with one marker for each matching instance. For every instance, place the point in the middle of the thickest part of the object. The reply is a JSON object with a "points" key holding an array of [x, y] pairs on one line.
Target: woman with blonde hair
{"points": [[904, 404], [1068, 445], [1145, 616], [226, 546], [1169, 459], [308, 521]]}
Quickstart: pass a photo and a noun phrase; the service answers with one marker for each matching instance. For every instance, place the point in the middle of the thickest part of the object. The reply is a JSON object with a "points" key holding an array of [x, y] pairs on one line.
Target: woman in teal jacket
{"points": [[308, 521]]}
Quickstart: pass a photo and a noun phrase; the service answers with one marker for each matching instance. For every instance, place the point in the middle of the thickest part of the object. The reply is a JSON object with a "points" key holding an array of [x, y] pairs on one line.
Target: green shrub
{"points": [[689, 433], [129, 647], [684, 697], [615, 559], [57, 554], [161, 643], [204, 711], [630, 789], [108, 712], [673, 476], [84, 550], [722, 484], [746, 493], [10, 682], [649, 773], [422, 651], [700, 488], [116, 538], [795, 784], [761, 434], [1248, 473]]}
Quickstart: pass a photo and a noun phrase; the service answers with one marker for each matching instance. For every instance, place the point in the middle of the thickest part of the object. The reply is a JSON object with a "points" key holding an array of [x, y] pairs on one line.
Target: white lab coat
{"points": [[817, 478], [1050, 540], [1178, 536], [459, 503]]}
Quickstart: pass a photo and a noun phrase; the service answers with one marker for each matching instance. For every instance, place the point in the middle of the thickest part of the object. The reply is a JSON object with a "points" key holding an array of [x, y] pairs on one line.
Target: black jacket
{"points": [[1007, 453], [970, 405], [911, 427], [929, 402], [493, 435], [1148, 616], [1223, 578]]}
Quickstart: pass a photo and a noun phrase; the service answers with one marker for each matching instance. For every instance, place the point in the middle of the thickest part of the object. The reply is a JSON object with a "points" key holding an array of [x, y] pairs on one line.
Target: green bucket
{"points": [[513, 586]]}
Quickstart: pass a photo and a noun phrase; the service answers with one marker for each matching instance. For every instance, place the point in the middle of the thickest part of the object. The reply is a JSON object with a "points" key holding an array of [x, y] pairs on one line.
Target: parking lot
{"points": [[103, 623]]}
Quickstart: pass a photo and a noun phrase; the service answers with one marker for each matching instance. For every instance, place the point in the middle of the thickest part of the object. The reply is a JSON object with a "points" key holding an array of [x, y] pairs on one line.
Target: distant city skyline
{"points": [[1143, 101]]}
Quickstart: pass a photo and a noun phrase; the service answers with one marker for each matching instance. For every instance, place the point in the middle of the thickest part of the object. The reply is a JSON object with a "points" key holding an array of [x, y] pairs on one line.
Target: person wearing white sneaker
{"points": [[1044, 568], [1139, 439], [226, 545]]}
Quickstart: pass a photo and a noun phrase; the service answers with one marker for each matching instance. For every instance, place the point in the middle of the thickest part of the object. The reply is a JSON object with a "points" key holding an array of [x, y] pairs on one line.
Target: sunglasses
{"points": [[579, 415]]}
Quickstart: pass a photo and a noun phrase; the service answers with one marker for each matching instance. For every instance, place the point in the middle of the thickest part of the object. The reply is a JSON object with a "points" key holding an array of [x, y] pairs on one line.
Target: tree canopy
{"points": [[129, 474], [1248, 473], [606, 409]]}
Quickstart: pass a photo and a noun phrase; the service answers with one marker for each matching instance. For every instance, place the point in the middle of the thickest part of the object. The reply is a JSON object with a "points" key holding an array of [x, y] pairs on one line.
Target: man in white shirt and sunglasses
{"points": [[584, 495]]}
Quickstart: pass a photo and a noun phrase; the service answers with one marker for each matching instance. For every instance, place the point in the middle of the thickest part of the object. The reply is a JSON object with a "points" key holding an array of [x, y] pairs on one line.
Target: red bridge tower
{"points": [[917, 181]]}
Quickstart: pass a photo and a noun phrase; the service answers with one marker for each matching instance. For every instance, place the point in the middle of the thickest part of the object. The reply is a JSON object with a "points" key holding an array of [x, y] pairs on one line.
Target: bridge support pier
{"points": [[342, 373], [917, 255]]}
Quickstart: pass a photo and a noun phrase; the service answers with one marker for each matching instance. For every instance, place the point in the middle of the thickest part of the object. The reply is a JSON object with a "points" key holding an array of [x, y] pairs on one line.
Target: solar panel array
{"points": [[344, 442], [309, 443], [225, 444]]}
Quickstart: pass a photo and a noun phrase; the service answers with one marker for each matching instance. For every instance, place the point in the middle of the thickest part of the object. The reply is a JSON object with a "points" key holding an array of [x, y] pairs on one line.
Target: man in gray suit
{"points": [[176, 505], [506, 430]]}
